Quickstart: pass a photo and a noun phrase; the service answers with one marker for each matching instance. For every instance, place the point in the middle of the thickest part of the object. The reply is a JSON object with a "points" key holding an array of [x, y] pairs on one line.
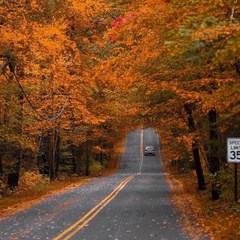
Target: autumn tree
{"points": [[86, 68], [188, 48], [56, 45]]}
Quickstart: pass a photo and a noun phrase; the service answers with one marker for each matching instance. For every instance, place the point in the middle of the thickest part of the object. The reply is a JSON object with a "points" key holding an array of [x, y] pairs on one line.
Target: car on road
{"points": [[149, 150]]}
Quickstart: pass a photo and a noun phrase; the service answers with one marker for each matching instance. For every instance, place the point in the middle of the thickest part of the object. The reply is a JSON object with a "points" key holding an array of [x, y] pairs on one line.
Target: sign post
{"points": [[236, 184], [233, 156]]}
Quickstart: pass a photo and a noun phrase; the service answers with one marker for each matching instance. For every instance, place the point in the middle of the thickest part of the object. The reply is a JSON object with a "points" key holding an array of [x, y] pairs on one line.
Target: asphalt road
{"points": [[132, 204]]}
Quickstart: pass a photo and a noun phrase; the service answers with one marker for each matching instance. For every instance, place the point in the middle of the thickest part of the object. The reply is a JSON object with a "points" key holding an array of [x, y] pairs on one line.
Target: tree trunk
{"points": [[198, 167], [14, 123], [213, 158], [1, 167], [51, 155], [57, 153], [87, 157], [101, 158], [195, 150], [74, 161]]}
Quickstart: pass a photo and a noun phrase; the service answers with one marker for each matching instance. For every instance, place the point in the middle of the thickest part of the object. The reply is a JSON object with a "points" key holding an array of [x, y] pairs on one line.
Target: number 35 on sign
{"points": [[233, 148]]}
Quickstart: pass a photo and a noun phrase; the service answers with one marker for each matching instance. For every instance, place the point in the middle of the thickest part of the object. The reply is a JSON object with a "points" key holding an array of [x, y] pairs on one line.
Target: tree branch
{"points": [[3, 66], [232, 12], [111, 14]]}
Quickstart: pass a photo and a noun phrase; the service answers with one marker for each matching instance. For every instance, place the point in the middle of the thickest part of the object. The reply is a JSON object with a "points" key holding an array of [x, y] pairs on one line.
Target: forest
{"points": [[76, 75]]}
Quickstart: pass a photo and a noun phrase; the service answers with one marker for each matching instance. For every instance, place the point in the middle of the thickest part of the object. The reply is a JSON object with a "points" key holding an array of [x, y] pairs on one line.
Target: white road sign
{"points": [[233, 148]]}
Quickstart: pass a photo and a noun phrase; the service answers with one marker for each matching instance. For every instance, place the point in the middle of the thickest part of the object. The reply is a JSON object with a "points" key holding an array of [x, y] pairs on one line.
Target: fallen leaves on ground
{"points": [[200, 214]]}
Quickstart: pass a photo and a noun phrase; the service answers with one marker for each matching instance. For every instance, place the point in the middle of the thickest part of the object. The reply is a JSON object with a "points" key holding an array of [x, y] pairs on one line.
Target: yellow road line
{"points": [[77, 226]]}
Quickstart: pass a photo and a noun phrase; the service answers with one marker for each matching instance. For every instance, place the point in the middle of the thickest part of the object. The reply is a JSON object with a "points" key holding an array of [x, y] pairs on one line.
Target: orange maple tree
{"points": [[112, 63]]}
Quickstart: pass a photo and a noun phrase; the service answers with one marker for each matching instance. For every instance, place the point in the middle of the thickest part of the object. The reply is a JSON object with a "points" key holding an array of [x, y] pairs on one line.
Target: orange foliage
{"points": [[112, 65]]}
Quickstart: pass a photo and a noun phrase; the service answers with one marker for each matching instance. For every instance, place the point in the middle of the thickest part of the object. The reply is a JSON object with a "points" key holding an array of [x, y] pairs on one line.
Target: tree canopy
{"points": [[92, 70]]}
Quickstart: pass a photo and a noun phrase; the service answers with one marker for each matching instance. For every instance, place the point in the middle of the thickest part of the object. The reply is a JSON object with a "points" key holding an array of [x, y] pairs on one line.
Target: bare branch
{"points": [[232, 12], [111, 14], [3, 66]]}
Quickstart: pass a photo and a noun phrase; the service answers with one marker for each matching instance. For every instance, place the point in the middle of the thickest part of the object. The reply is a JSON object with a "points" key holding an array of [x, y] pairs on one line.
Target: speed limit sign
{"points": [[233, 146]]}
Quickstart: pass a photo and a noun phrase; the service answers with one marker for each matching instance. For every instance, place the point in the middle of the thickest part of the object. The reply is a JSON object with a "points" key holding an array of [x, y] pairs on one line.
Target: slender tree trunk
{"points": [[19, 130], [74, 161], [74, 165], [1, 167], [101, 158], [56, 149], [87, 157], [16, 152], [195, 150], [51, 155], [198, 167], [213, 158]]}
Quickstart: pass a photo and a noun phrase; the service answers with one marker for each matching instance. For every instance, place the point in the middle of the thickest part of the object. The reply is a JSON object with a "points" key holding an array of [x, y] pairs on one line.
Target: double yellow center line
{"points": [[77, 226]]}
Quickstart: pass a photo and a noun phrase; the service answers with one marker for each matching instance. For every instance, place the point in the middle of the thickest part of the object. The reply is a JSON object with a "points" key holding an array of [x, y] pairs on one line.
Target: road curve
{"points": [[132, 204]]}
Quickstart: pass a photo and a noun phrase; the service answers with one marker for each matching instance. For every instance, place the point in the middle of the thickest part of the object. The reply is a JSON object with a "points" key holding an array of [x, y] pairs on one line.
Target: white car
{"points": [[149, 150]]}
